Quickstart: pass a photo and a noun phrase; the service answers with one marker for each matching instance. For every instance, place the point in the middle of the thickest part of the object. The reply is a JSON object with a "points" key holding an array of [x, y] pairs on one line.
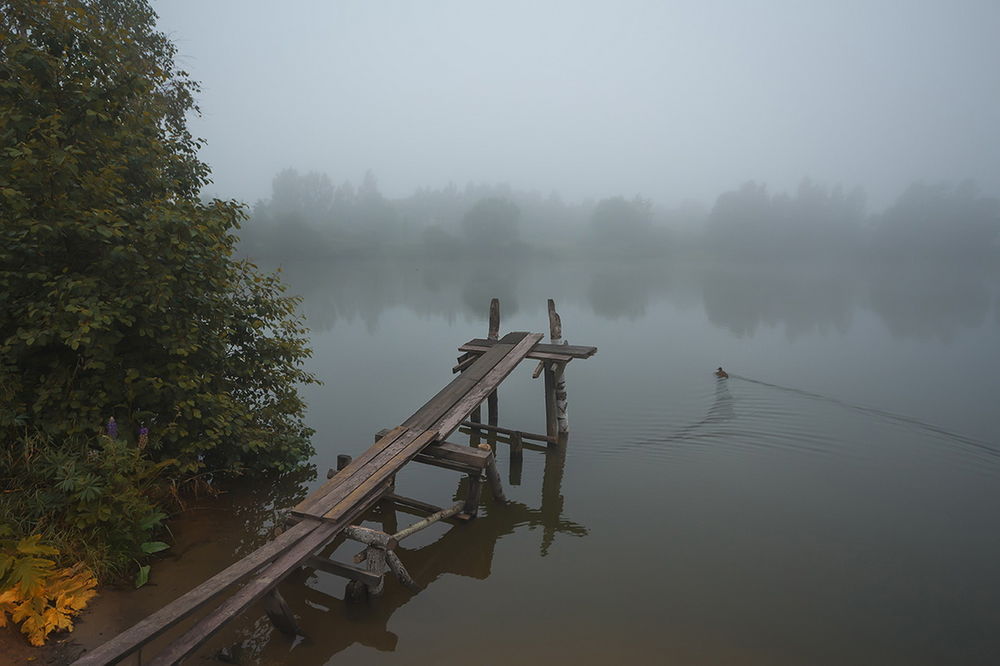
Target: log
{"points": [[369, 537], [376, 565], [428, 521], [402, 575]]}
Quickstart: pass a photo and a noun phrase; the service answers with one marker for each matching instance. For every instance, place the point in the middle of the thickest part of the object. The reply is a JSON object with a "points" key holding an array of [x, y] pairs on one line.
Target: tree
{"points": [[121, 297], [622, 226], [491, 223]]}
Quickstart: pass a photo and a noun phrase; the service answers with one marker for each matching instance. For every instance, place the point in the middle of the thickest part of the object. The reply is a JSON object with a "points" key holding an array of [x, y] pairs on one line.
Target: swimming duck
{"points": [[721, 374]]}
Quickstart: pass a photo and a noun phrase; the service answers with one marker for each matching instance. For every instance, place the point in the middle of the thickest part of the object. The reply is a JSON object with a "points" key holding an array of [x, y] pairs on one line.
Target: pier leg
{"points": [[493, 478], [396, 565], [551, 415], [493, 402], [559, 380], [375, 563], [516, 459], [471, 508], [280, 614]]}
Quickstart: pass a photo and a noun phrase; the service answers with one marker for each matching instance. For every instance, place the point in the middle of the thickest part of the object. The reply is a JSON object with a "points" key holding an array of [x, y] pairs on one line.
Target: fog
{"points": [[673, 102]]}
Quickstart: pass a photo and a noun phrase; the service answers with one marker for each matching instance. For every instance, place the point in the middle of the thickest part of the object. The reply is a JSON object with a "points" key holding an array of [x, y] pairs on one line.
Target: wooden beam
{"points": [[576, 351], [341, 569], [541, 356], [152, 626]]}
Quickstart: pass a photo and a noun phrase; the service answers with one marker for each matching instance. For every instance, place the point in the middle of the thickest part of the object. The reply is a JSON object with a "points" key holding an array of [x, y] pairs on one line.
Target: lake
{"points": [[835, 501]]}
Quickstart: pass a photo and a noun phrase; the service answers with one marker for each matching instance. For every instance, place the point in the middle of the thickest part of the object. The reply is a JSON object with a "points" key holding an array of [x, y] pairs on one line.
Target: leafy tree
{"points": [[491, 223], [120, 294], [940, 220], [621, 226]]}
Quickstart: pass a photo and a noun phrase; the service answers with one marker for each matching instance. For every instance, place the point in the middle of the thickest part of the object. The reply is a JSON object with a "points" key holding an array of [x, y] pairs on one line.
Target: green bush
{"points": [[96, 502], [120, 295]]}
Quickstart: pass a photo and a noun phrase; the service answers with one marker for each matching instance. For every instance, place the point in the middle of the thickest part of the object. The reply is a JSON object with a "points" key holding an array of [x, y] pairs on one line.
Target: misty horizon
{"points": [[592, 100]]}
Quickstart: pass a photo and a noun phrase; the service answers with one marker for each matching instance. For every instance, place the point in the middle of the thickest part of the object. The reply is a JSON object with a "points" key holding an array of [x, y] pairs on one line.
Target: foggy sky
{"points": [[671, 100]]}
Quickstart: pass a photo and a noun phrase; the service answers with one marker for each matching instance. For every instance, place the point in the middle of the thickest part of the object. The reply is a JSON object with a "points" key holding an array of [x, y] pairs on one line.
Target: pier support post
{"points": [[471, 506], [516, 459], [280, 614], [558, 369], [493, 402], [493, 476]]}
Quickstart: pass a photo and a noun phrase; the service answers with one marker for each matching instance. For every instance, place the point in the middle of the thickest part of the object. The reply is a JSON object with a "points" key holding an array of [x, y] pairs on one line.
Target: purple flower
{"points": [[112, 428], [143, 437]]}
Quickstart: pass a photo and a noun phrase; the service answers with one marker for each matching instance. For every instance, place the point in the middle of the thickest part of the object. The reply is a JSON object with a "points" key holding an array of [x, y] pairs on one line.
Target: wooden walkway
{"points": [[333, 507]]}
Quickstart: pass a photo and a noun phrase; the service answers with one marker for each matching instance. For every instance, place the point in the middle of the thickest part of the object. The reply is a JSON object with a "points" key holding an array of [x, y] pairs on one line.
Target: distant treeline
{"points": [[308, 216]]}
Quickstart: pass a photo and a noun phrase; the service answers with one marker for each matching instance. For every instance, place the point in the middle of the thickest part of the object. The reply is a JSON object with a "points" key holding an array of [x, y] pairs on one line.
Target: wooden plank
{"points": [[451, 420], [458, 387], [302, 508], [509, 432], [455, 453], [534, 355], [149, 628], [256, 588], [365, 474], [416, 506], [341, 569], [270, 576], [384, 466], [446, 397], [576, 351]]}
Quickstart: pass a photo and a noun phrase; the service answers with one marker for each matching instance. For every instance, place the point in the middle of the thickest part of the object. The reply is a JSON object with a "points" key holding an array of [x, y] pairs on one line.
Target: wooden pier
{"points": [[329, 512]]}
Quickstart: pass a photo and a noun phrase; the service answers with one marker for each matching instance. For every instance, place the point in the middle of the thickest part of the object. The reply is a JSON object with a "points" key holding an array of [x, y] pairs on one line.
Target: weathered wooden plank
{"points": [[576, 351], [509, 432], [149, 628], [446, 397], [470, 375], [389, 462], [343, 475], [541, 356], [450, 421], [412, 505], [362, 499], [456, 453], [256, 588], [371, 474], [341, 569]]}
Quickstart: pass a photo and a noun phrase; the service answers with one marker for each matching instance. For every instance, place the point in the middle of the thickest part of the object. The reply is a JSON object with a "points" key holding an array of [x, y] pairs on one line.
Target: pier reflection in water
{"points": [[331, 624]]}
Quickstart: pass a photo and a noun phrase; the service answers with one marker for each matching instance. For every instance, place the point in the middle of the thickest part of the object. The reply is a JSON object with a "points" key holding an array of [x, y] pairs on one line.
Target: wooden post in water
{"points": [[493, 402], [516, 458], [558, 376], [280, 614]]}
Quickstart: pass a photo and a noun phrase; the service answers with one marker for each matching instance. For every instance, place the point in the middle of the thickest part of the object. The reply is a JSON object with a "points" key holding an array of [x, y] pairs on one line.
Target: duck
{"points": [[721, 374]]}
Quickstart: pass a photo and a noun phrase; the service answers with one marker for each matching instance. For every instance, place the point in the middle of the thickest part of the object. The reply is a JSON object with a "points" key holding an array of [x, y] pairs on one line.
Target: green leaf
{"points": [[142, 576], [150, 547], [31, 546], [152, 520]]}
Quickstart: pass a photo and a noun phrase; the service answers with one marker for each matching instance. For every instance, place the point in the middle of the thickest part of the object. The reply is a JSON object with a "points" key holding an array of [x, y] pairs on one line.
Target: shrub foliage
{"points": [[121, 297]]}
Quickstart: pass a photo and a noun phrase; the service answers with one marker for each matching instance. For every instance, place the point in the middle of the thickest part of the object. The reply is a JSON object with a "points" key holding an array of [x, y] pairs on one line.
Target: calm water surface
{"points": [[835, 502]]}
